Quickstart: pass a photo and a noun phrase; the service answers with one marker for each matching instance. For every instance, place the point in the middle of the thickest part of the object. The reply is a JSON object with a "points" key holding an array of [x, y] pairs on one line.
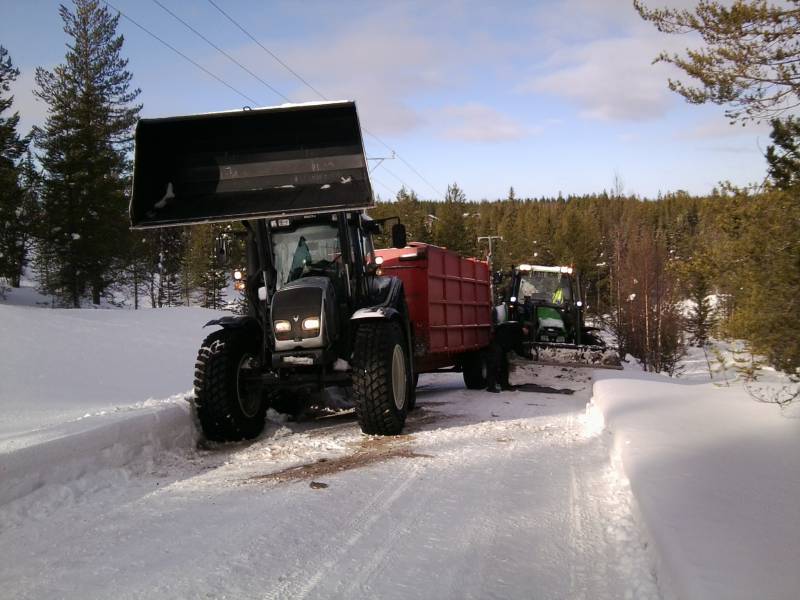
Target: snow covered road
{"points": [[486, 496]]}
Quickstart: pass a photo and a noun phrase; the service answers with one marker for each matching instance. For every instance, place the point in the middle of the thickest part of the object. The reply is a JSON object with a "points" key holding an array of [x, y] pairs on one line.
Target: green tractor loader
{"points": [[541, 317]]}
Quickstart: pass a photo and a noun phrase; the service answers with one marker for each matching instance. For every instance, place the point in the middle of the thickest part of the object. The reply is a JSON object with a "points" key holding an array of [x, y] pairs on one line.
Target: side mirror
{"points": [[399, 239]]}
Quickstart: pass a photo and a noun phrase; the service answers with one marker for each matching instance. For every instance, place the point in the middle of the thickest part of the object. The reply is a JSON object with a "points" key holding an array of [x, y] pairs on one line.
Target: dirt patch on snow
{"points": [[420, 417], [367, 452], [542, 389]]}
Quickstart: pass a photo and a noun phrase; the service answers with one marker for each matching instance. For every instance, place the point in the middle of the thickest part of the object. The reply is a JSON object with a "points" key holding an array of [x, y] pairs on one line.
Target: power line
{"points": [[378, 181], [176, 51], [320, 94], [239, 92], [406, 163], [254, 75], [385, 168], [267, 50], [221, 51]]}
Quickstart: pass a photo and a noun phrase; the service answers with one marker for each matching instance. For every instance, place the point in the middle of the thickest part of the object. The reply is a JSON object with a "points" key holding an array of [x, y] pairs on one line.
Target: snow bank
{"points": [[85, 390], [716, 477], [59, 364], [62, 454]]}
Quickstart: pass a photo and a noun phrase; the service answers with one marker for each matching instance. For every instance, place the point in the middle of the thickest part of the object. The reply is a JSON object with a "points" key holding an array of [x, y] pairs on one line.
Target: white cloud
{"points": [[479, 123], [381, 61], [610, 79]]}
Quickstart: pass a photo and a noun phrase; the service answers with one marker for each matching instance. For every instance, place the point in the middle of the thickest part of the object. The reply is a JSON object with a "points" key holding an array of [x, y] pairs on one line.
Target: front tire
{"points": [[381, 377], [228, 408]]}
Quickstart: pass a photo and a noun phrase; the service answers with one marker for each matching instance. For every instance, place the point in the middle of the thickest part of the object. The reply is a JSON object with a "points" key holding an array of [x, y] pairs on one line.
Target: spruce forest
{"points": [[660, 273]]}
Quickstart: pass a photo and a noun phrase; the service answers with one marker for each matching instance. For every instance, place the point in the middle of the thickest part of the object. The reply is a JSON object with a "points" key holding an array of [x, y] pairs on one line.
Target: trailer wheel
{"points": [[381, 377], [475, 370], [228, 409]]}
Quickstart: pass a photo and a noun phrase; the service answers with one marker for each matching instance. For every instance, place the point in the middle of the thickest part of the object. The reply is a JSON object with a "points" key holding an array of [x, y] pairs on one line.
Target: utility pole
{"points": [[489, 239]]}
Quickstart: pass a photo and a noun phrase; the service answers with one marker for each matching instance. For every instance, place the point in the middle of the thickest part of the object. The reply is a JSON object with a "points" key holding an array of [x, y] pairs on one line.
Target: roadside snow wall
{"points": [[68, 452], [716, 477]]}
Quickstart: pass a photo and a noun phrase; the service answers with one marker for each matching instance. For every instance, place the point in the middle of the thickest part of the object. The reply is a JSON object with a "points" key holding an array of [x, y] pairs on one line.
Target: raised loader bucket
{"points": [[245, 164]]}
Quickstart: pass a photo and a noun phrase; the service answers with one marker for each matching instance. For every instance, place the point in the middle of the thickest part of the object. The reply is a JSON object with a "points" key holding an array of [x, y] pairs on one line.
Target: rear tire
{"points": [[475, 370], [381, 377], [227, 410]]}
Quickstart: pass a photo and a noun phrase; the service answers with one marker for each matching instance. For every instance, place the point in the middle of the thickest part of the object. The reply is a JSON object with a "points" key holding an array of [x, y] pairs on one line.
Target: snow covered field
{"points": [[60, 365], [514, 495]]}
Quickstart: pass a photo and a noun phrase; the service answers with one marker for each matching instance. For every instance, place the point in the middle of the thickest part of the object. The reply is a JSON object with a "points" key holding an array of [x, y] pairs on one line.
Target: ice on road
{"points": [[486, 496]]}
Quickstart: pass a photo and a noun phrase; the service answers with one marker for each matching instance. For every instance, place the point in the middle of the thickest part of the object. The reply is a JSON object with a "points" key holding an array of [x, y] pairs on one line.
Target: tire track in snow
{"points": [[380, 558], [299, 584]]}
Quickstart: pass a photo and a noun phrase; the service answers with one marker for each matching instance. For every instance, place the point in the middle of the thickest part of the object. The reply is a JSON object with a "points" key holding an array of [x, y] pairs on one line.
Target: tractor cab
{"points": [[545, 286], [542, 317], [545, 299]]}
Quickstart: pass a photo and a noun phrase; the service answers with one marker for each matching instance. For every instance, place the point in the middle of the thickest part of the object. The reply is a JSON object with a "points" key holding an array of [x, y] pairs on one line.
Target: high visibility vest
{"points": [[558, 296]]}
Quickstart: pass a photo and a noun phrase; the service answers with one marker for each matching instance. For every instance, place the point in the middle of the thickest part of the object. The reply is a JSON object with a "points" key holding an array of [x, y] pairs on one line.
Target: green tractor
{"points": [[541, 317]]}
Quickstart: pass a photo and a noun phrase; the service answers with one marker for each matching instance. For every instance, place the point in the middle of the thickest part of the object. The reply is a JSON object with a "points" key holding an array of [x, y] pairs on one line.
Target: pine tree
{"points": [[749, 58], [206, 275], [13, 227], [413, 215], [85, 144], [451, 229], [29, 211], [783, 157]]}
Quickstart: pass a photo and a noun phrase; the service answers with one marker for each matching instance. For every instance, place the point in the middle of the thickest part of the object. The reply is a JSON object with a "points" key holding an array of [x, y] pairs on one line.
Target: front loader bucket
{"points": [[246, 164]]}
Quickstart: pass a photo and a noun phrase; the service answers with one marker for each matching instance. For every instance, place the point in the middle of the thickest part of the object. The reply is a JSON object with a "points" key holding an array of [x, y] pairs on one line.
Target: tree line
{"points": [[734, 253], [65, 185]]}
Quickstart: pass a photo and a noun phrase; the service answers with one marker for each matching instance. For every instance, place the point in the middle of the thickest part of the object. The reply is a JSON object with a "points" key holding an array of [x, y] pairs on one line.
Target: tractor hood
{"points": [[229, 166]]}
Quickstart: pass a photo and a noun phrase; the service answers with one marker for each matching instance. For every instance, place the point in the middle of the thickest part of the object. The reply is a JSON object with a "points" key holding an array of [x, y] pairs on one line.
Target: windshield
{"points": [[309, 250], [545, 286]]}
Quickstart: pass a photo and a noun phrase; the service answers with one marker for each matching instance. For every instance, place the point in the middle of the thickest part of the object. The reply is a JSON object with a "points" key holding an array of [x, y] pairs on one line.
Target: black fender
{"points": [[245, 322], [389, 301], [235, 322]]}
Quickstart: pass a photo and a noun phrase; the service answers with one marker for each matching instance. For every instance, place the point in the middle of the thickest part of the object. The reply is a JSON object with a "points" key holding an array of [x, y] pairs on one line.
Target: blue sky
{"points": [[546, 96]]}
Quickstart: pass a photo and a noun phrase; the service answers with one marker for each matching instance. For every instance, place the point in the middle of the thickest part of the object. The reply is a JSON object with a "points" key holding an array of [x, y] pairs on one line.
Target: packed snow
{"points": [[657, 489], [715, 473], [61, 365]]}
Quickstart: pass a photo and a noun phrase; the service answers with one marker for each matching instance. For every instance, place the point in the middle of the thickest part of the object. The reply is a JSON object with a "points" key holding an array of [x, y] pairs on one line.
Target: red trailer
{"points": [[450, 307]]}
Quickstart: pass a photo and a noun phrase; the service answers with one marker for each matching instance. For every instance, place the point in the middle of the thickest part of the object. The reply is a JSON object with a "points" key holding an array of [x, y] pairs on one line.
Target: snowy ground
{"points": [[61, 365], [486, 496], [715, 474], [515, 495]]}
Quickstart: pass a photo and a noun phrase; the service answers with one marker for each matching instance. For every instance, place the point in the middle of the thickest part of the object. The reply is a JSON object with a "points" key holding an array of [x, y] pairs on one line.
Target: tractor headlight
{"points": [[283, 327], [311, 324]]}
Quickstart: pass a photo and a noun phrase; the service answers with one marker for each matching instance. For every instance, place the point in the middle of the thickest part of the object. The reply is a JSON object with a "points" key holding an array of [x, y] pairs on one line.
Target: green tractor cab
{"points": [[542, 317]]}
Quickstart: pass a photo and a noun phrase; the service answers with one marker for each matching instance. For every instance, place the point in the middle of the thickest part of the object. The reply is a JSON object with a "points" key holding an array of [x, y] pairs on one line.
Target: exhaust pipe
{"points": [[270, 162]]}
